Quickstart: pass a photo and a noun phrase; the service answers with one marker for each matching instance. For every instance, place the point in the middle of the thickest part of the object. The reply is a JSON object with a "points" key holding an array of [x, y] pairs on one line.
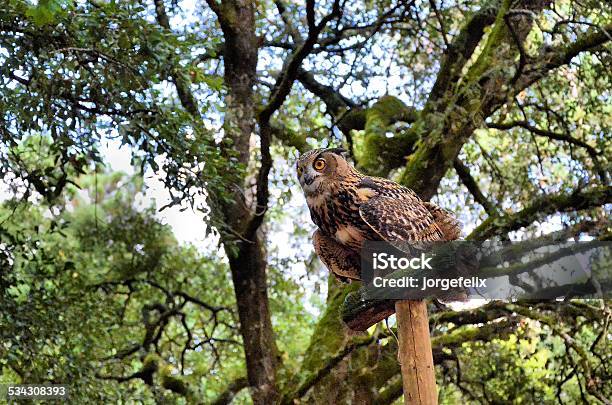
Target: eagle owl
{"points": [[349, 207]]}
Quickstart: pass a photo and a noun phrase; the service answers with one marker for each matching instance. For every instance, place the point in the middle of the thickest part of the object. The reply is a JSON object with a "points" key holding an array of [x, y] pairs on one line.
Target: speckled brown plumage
{"points": [[349, 207]]}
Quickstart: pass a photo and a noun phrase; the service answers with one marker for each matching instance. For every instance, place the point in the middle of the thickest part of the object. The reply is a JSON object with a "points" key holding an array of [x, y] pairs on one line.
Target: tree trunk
{"points": [[246, 257], [250, 286]]}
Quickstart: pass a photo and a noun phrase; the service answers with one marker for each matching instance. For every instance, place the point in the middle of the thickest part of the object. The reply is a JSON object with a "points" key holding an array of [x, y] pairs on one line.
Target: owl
{"points": [[349, 208]]}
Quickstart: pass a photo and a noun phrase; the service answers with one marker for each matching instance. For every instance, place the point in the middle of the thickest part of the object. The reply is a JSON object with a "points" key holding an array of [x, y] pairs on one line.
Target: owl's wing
{"points": [[344, 263], [448, 224], [401, 217]]}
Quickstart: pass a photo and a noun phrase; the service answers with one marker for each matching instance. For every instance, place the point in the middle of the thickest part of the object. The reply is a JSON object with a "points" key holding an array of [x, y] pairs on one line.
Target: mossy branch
{"points": [[540, 208], [380, 149], [562, 55]]}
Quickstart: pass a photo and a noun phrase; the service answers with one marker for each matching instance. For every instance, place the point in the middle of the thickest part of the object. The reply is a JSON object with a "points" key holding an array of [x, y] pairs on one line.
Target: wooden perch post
{"points": [[415, 355]]}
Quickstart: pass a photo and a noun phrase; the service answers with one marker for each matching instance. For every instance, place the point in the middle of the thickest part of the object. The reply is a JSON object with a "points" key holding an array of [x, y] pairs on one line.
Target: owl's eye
{"points": [[319, 164]]}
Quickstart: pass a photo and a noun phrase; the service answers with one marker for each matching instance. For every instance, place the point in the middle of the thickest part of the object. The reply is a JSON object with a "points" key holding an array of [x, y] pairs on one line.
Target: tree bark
{"points": [[250, 286], [246, 253]]}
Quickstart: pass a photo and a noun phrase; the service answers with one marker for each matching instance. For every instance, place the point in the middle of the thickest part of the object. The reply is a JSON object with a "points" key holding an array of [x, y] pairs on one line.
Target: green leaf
{"points": [[45, 11]]}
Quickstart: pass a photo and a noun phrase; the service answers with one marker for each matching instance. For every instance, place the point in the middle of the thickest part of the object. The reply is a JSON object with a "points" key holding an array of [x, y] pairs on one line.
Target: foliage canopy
{"points": [[498, 110]]}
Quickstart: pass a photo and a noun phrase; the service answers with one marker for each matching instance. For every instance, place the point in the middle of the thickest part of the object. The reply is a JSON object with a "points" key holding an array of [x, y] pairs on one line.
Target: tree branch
{"points": [[233, 388], [316, 376], [181, 82], [443, 31], [285, 80], [381, 153], [557, 136], [470, 183], [562, 55], [150, 366], [518, 41], [293, 32], [280, 91], [461, 48], [540, 208], [332, 98], [365, 30]]}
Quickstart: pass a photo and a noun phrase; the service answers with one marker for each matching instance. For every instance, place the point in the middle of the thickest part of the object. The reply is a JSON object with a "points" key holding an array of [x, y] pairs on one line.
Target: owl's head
{"points": [[320, 169]]}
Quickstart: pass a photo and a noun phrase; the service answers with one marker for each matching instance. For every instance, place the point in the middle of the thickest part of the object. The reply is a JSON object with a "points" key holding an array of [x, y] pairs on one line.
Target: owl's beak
{"points": [[307, 180]]}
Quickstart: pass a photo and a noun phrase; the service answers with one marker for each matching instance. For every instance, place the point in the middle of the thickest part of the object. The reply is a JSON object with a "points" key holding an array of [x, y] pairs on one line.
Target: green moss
{"points": [[496, 37], [385, 110], [376, 153], [329, 335], [414, 172]]}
